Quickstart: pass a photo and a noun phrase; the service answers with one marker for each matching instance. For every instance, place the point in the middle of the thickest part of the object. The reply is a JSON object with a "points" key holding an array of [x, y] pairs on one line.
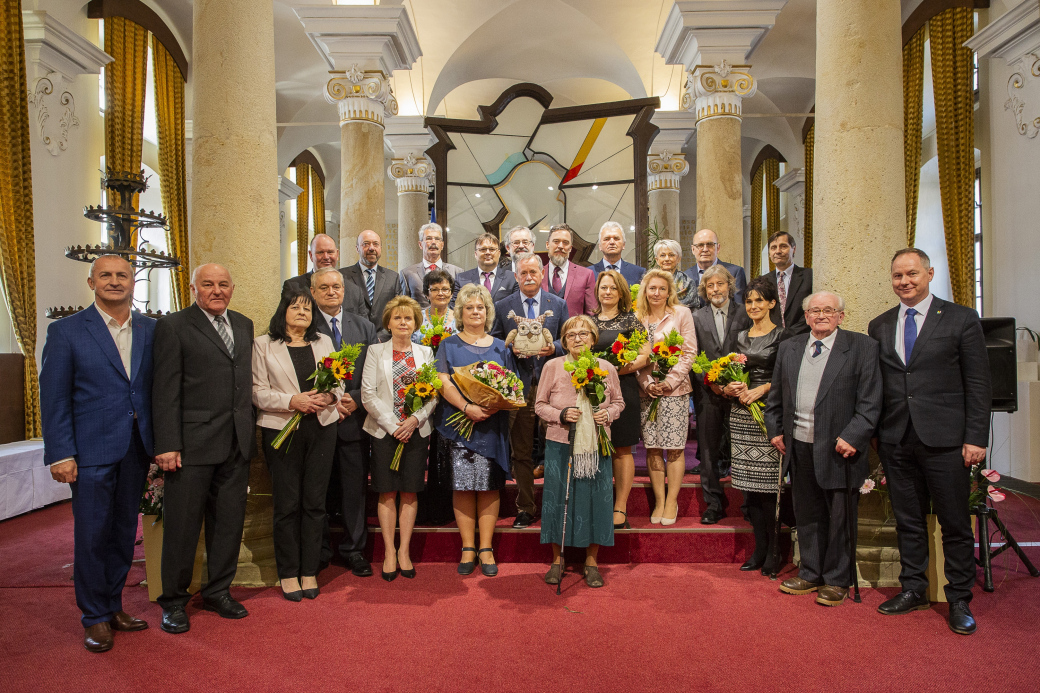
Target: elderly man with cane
{"points": [[823, 407]]}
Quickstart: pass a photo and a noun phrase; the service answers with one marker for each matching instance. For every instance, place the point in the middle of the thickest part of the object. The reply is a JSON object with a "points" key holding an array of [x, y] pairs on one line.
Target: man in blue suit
{"points": [[530, 302], [500, 281], [705, 249], [95, 399], [612, 244]]}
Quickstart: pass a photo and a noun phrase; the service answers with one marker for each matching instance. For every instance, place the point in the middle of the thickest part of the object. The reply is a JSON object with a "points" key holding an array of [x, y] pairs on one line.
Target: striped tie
{"points": [[224, 333], [370, 284]]}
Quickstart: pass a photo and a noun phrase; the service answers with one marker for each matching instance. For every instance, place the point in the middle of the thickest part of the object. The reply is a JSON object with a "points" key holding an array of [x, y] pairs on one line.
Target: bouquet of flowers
{"points": [[486, 384], [982, 481], [331, 371], [419, 392], [725, 370], [663, 356], [152, 499], [635, 292], [589, 378], [625, 350], [434, 333]]}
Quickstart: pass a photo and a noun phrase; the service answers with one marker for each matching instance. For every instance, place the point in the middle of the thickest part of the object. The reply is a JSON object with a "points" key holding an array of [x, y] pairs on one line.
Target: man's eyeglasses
{"points": [[825, 312]]}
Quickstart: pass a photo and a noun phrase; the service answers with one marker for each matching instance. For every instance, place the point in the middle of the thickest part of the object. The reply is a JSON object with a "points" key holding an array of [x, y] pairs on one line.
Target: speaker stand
{"points": [[986, 513]]}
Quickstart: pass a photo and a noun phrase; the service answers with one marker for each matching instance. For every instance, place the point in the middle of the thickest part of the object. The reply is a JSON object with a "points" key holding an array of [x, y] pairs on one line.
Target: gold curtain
{"points": [[810, 141], [757, 179], [772, 195], [303, 176], [318, 202], [17, 238], [913, 95], [125, 80], [952, 73], [169, 116]]}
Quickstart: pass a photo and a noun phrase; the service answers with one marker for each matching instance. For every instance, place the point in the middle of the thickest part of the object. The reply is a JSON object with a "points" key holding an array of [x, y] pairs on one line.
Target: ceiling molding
{"points": [[378, 37], [1012, 36], [50, 46]]}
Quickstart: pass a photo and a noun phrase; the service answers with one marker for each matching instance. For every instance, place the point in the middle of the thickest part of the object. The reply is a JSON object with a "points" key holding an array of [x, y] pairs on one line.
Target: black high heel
{"points": [[391, 576], [622, 525], [467, 567], [295, 596], [489, 569]]}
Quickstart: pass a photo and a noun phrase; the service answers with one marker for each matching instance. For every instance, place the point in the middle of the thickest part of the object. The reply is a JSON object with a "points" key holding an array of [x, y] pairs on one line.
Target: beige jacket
{"points": [[377, 390], [274, 381]]}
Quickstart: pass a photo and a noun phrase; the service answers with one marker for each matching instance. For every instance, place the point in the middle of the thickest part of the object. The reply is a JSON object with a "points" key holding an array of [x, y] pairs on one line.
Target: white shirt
{"points": [[828, 343], [537, 302], [426, 265], [922, 313], [551, 268], [339, 321], [122, 335], [491, 276], [227, 320]]}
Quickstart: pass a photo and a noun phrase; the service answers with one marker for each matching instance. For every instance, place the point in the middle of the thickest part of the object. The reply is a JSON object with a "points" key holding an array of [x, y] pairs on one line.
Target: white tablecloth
{"points": [[25, 483]]}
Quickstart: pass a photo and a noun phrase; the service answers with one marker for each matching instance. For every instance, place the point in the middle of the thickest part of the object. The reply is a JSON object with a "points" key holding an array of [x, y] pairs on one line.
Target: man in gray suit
{"points": [[378, 284], [823, 407], [431, 240]]}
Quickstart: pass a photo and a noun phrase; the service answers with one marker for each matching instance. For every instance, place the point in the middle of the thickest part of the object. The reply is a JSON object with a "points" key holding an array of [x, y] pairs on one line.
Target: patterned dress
{"points": [[410, 477], [626, 430], [755, 462]]}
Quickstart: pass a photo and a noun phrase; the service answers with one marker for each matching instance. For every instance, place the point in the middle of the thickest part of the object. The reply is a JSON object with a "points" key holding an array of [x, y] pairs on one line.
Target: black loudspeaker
{"points": [[1003, 362]]}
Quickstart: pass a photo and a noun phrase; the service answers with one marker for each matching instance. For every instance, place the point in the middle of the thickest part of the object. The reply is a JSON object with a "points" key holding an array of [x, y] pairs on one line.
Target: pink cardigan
{"points": [[556, 392], [681, 320]]}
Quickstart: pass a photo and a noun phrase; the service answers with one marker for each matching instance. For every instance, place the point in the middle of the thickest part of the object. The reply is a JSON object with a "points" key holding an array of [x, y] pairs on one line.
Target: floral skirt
{"points": [[672, 427]]}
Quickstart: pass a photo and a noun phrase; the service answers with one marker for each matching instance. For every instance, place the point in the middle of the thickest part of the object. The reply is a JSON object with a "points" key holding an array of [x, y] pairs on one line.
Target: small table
{"points": [[25, 482]]}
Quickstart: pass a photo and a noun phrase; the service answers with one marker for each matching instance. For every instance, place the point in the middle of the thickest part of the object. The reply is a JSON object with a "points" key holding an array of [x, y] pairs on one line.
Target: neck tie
{"points": [[530, 308], [432, 267], [370, 284], [909, 334], [337, 337], [817, 347], [612, 267], [487, 280], [781, 290], [557, 284], [224, 333], [720, 325]]}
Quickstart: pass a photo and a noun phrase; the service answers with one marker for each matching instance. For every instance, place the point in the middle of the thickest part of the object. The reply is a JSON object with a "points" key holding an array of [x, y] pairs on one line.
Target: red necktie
{"points": [[556, 281], [432, 267]]}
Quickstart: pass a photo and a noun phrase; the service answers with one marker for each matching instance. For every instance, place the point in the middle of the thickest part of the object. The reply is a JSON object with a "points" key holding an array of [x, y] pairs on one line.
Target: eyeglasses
{"points": [[440, 289], [825, 312], [704, 246], [330, 288], [580, 335], [521, 244], [487, 249]]}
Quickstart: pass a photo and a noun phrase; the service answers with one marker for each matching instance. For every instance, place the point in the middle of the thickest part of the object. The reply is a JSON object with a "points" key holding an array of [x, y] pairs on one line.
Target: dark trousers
{"points": [[350, 474], [822, 519], [712, 414], [299, 479], [762, 516], [105, 502], [215, 493], [916, 475], [522, 426], [435, 503]]}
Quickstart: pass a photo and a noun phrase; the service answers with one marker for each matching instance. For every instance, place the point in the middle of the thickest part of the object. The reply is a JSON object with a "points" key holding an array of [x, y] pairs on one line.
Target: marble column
{"points": [[859, 212], [234, 206], [664, 171], [412, 176]]}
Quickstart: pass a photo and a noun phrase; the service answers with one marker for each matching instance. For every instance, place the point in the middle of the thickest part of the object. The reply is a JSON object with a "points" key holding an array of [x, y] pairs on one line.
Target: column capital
{"points": [[287, 190], [792, 182], [708, 31], [379, 37], [361, 95], [713, 91], [412, 174], [665, 170], [408, 135]]}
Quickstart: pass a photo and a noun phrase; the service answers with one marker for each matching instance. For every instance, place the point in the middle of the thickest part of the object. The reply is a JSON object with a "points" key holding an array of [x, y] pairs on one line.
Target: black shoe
{"points": [[175, 620], [389, 577], [904, 603], [410, 573], [358, 565], [712, 516], [960, 619], [311, 593], [467, 567], [225, 606], [753, 564], [699, 469], [489, 569], [294, 596], [523, 519]]}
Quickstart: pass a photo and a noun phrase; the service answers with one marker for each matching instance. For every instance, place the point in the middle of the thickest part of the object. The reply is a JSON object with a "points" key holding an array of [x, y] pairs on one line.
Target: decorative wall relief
{"points": [[1017, 105], [55, 112]]}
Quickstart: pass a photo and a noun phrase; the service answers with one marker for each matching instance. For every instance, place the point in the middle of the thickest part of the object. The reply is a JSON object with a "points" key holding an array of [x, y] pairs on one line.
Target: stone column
{"points": [[793, 183], [412, 176], [859, 212], [287, 192], [664, 171]]}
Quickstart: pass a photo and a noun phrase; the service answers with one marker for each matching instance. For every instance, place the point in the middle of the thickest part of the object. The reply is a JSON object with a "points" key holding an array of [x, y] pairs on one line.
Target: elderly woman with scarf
{"points": [[590, 516]]}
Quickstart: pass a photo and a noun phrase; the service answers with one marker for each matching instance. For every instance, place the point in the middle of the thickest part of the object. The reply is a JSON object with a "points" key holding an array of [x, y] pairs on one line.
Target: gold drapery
{"points": [[757, 179], [303, 176], [810, 141], [913, 95], [318, 202], [126, 78], [952, 73], [17, 237], [772, 195], [169, 116]]}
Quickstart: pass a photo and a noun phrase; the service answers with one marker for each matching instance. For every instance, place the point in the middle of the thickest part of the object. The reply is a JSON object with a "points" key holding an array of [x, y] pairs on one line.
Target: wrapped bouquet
{"points": [[434, 333], [486, 384]]}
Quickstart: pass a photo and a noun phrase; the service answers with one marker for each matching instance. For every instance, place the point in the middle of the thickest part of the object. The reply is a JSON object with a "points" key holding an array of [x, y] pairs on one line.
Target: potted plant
{"points": [[152, 536]]}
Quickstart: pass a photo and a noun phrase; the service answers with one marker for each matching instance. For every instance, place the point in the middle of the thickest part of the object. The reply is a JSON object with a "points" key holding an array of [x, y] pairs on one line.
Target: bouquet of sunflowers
{"points": [[418, 393], [331, 371], [635, 293], [625, 350], [663, 356], [434, 333], [588, 377], [486, 384], [725, 370]]}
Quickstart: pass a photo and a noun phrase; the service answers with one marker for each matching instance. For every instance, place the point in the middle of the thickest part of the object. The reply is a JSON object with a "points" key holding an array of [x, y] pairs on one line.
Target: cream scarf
{"points": [[586, 443]]}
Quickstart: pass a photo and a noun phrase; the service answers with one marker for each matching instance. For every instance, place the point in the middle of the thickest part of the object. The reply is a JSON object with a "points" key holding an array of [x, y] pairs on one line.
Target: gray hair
{"points": [[524, 257], [323, 271], [612, 226], [94, 262], [425, 227], [466, 295], [810, 297], [509, 235], [711, 273], [670, 245], [195, 272]]}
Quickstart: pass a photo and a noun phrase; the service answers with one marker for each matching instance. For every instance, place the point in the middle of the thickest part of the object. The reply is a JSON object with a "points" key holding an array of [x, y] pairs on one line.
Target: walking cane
{"points": [[776, 536], [566, 502], [851, 498]]}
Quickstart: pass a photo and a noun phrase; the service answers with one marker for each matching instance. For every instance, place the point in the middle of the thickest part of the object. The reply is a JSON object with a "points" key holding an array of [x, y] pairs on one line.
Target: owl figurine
{"points": [[530, 335]]}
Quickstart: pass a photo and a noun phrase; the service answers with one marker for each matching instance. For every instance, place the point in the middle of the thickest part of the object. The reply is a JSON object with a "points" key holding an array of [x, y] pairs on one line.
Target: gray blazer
{"points": [[848, 404], [412, 280]]}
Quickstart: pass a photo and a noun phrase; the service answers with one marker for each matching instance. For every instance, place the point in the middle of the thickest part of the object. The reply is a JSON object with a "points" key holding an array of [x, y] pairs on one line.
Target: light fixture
{"points": [[631, 228], [447, 229], [476, 194], [550, 187], [595, 187]]}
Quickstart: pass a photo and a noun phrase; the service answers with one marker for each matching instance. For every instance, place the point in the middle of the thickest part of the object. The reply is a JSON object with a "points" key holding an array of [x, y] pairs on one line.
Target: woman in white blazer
{"points": [[283, 360], [389, 368]]}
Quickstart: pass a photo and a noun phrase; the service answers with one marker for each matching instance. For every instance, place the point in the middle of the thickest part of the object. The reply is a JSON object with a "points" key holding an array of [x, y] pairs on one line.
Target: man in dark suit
{"points": [[378, 284], [431, 240], [573, 283], [205, 435], [934, 427], [530, 302], [95, 403], [612, 244], [793, 284], [500, 281], [717, 325], [324, 253], [350, 462], [823, 407], [705, 249]]}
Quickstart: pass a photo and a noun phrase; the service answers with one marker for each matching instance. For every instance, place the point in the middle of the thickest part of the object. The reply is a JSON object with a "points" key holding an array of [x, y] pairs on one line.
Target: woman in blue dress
{"points": [[479, 465]]}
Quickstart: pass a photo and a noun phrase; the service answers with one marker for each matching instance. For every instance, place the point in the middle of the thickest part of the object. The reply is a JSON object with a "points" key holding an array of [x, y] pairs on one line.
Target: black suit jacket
{"points": [[201, 395], [848, 404], [708, 339], [945, 388], [504, 284], [354, 330], [388, 284], [353, 299], [800, 288]]}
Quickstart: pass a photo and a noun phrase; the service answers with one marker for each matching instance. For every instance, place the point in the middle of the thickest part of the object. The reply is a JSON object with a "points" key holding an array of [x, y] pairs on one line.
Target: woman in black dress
{"points": [[614, 317]]}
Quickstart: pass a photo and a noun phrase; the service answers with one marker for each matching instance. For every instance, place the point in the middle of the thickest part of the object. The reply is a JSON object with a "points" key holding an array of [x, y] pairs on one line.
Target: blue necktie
{"points": [[370, 284], [909, 334], [817, 347], [337, 338], [530, 308]]}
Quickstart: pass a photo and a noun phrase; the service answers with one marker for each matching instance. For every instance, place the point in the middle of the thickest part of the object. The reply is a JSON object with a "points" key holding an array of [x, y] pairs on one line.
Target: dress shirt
{"points": [[537, 302], [563, 273], [122, 335], [328, 321], [491, 277], [212, 321], [426, 265], [828, 343], [785, 277], [616, 266], [922, 313], [808, 387]]}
